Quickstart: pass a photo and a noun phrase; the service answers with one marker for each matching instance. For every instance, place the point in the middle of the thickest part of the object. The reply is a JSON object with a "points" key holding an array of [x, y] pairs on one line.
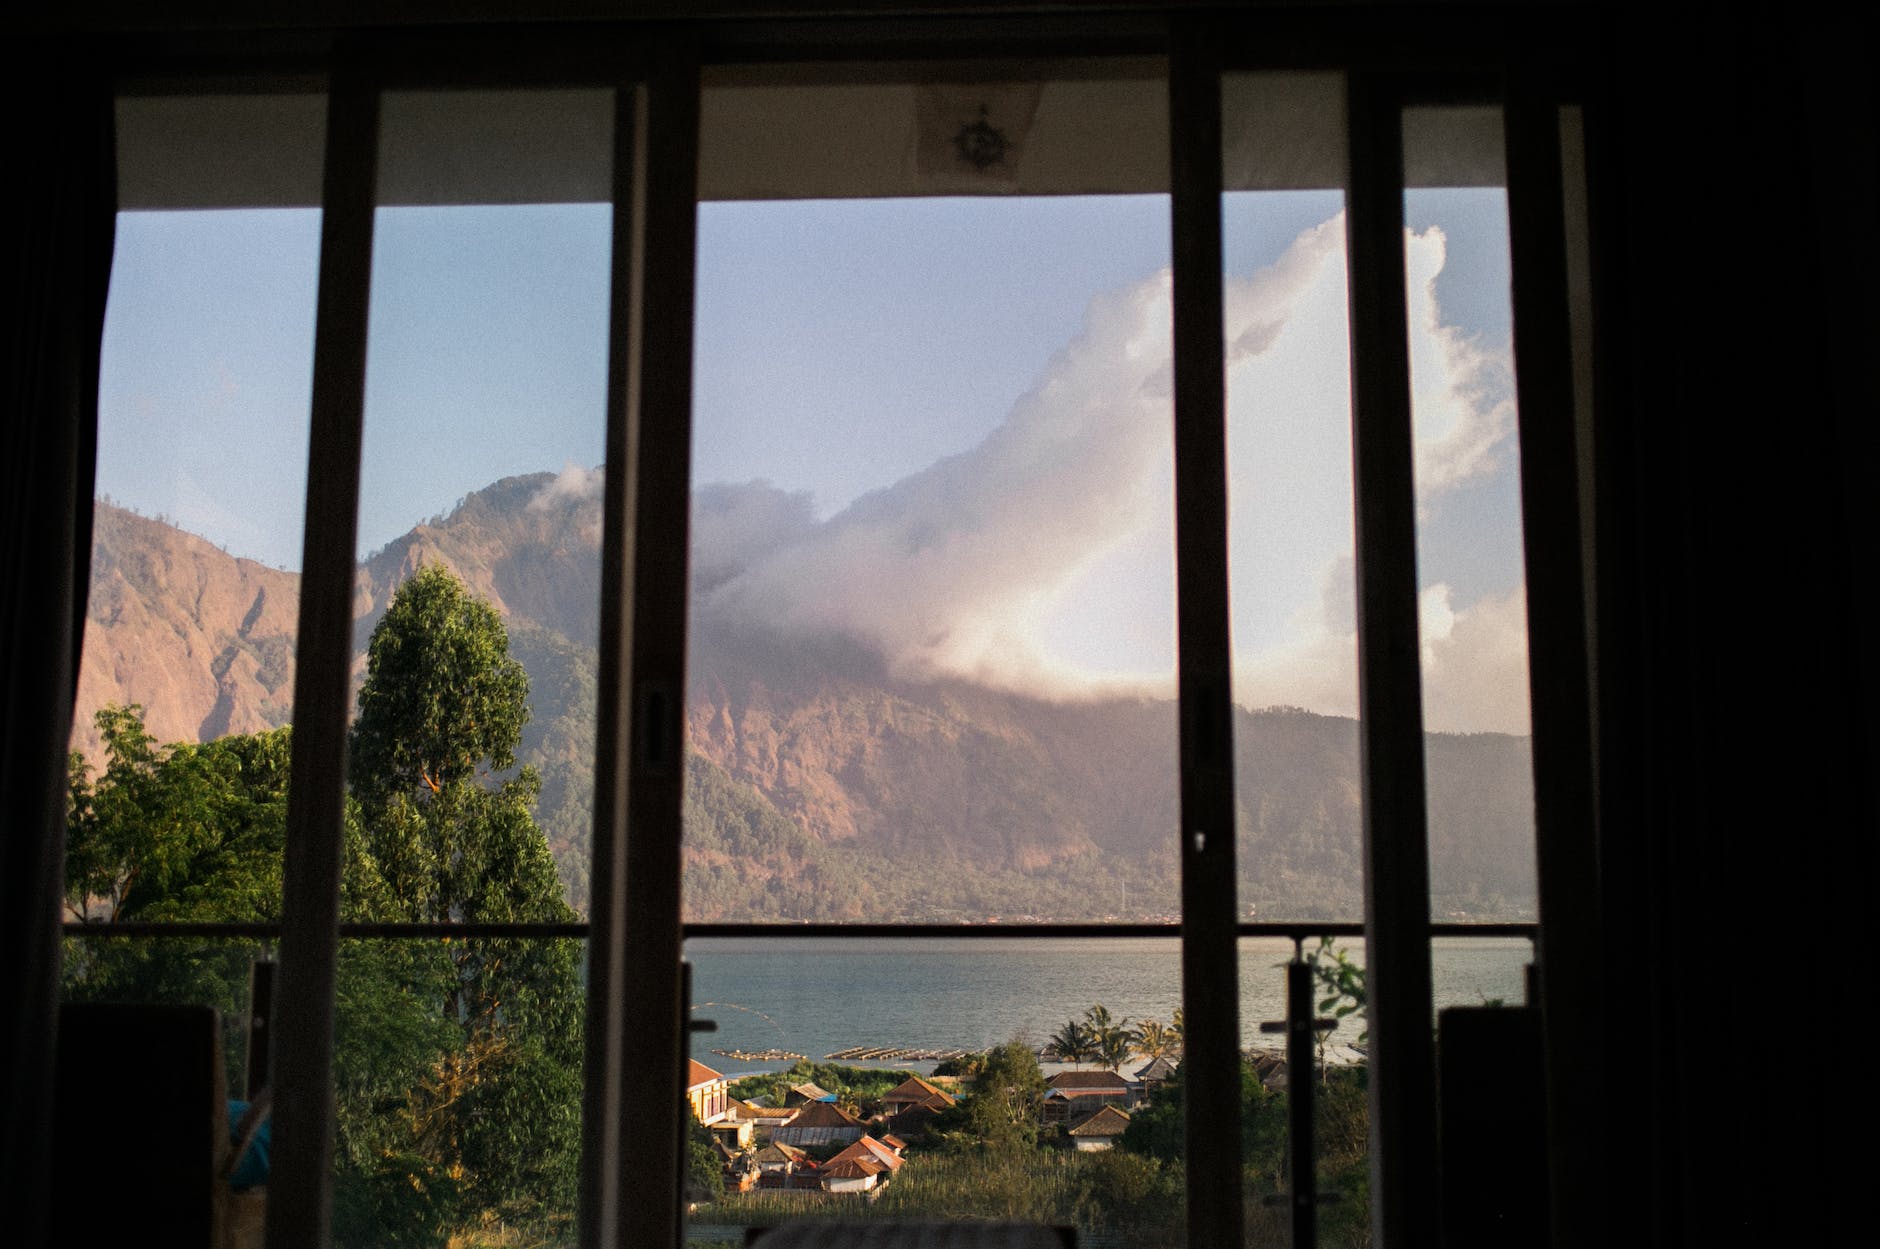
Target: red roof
{"points": [[918, 1092], [851, 1169], [822, 1115], [1088, 1081], [698, 1073], [869, 1147]]}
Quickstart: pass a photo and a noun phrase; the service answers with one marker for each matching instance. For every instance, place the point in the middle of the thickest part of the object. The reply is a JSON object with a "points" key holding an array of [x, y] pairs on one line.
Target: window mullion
{"points": [[1559, 677], [298, 1194], [658, 451], [1210, 953], [1396, 842], [604, 1086]]}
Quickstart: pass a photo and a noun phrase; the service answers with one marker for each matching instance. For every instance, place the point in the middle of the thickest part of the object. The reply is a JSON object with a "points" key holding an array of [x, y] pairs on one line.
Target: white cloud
{"points": [[1474, 659], [1039, 559], [1475, 670], [953, 570], [1462, 384], [573, 484]]}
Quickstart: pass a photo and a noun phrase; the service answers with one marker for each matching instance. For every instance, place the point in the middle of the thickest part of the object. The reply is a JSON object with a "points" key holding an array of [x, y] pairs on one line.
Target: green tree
{"points": [[1000, 1111], [704, 1172], [1156, 1128], [184, 832], [443, 701], [444, 836], [180, 832]]}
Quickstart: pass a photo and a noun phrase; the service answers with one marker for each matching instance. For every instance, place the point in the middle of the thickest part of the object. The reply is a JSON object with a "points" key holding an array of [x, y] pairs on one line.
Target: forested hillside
{"points": [[818, 785]]}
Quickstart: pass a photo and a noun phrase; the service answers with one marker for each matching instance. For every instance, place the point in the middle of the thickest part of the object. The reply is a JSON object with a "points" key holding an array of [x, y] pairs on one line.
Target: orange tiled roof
{"points": [[869, 1147], [822, 1115], [918, 1091], [851, 1169], [698, 1073]]}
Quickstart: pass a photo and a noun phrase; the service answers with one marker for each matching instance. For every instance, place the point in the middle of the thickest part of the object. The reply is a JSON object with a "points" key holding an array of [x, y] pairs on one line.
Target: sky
{"points": [[938, 425]]}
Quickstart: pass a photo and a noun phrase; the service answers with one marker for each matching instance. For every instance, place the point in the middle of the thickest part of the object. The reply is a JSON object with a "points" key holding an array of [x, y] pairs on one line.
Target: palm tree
{"points": [[1073, 1042], [1113, 1046], [1109, 1036], [1154, 1039]]}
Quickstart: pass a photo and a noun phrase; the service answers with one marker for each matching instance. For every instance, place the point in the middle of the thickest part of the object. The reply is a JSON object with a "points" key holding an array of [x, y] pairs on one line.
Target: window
{"points": [[1244, 189]]}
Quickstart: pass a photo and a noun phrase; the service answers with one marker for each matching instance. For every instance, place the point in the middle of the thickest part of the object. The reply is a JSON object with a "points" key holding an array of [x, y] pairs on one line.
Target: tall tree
{"points": [[452, 838]]}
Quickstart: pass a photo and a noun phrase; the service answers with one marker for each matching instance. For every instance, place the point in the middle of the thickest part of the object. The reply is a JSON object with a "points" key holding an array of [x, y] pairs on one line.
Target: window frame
{"points": [[655, 71]]}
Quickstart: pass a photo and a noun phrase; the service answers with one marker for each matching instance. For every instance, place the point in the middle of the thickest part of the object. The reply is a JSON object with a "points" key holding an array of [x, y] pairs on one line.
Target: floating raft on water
{"points": [[763, 1056], [895, 1054]]}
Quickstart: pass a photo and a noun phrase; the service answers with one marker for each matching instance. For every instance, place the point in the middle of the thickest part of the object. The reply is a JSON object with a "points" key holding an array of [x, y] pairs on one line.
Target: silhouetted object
{"points": [[1494, 1127], [142, 1119], [911, 1236]]}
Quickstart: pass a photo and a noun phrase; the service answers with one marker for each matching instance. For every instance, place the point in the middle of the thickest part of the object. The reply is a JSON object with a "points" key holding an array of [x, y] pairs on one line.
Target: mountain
{"points": [[819, 785], [205, 641]]}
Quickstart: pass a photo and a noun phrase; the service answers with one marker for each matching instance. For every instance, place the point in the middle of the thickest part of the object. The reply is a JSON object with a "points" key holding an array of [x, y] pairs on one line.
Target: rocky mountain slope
{"points": [[818, 785], [203, 640]]}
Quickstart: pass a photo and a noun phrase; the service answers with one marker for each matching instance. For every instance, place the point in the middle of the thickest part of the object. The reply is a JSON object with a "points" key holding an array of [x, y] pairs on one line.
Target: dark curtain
{"points": [[62, 194], [1735, 162]]}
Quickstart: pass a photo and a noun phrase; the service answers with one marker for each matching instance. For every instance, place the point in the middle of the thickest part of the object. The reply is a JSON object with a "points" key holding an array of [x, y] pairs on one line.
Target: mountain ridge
{"points": [[818, 784]]}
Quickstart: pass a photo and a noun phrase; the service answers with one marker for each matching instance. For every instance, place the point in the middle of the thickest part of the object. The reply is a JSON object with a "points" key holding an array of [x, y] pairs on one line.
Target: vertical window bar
{"points": [[298, 1192], [1396, 842], [1210, 951], [603, 1090], [1569, 945], [659, 441]]}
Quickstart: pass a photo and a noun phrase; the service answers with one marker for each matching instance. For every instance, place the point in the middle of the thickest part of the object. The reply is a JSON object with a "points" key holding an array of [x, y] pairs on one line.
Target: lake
{"points": [[814, 996]]}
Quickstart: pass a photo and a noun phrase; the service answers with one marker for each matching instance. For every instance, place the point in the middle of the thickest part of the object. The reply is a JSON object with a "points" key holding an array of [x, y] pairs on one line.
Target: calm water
{"points": [[816, 996]]}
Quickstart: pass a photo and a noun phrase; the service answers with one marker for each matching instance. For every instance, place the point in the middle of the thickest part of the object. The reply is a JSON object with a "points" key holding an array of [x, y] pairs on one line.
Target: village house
{"points": [[1070, 1094], [819, 1123], [911, 1093], [764, 1120], [799, 1094], [785, 1166], [864, 1165], [851, 1175], [1270, 1068], [1100, 1129], [733, 1132], [708, 1091], [1152, 1075], [914, 1093]]}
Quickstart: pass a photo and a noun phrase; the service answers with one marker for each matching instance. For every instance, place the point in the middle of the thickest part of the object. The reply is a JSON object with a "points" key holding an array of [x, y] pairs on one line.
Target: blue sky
{"points": [[891, 370]]}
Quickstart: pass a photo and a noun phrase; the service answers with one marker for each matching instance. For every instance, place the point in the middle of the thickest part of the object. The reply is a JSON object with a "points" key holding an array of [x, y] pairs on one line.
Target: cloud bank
{"points": [[1042, 558]]}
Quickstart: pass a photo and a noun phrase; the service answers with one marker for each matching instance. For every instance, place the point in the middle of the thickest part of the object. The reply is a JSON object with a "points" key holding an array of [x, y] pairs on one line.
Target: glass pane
{"points": [[1294, 605], [958, 1066], [1470, 567], [186, 682], [457, 1091], [931, 627], [478, 595]]}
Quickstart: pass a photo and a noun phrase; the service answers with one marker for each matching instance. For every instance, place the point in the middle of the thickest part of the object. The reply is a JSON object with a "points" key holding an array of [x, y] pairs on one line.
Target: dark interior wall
{"points": [[1736, 183]]}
